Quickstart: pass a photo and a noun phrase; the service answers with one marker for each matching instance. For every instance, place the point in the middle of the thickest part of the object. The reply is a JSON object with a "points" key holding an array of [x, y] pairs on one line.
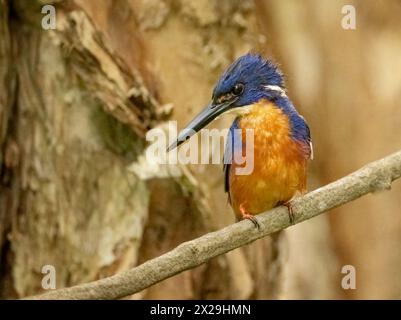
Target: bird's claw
{"points": [[247, 215], [291, 215]]}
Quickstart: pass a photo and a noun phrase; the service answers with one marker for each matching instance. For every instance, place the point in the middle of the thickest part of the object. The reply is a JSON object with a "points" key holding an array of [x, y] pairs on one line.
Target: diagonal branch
{"points": [[375, 176]]}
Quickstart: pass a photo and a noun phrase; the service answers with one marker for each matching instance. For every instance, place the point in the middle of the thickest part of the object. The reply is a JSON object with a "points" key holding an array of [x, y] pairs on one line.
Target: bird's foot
{"points": [[246, 215], [291, 215]]}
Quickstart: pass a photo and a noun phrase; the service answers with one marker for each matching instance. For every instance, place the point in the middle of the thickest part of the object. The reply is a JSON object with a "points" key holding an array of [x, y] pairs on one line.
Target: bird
{"points": [[253, 89]]}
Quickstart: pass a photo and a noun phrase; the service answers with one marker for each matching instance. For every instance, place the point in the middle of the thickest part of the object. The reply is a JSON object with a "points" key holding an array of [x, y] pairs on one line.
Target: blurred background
{"points": [[77, 101]]}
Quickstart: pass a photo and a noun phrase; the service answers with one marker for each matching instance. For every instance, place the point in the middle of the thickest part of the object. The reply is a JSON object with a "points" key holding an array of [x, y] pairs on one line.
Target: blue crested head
{"points": [[252, 78], [249, 79]]}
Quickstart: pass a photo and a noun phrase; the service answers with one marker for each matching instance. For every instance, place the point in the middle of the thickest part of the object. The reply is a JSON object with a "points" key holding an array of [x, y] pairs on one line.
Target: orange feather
{"points": [[279, 162]]}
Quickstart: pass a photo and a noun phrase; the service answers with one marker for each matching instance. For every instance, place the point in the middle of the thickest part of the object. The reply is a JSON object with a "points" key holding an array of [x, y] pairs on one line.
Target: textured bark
{"points": [[9, 150], [77, 206], [87, 92]]}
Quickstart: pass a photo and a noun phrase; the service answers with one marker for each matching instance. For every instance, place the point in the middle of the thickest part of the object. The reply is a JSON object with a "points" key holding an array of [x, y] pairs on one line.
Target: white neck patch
{"points": [[280, 90]]}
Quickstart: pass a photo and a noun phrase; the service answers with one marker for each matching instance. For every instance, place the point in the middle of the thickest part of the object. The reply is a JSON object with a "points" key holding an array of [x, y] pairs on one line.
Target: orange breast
{"points": [[279, 170]]}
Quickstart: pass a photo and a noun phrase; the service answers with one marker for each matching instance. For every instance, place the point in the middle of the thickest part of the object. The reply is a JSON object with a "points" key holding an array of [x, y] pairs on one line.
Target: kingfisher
{"points": [[253, 88]]}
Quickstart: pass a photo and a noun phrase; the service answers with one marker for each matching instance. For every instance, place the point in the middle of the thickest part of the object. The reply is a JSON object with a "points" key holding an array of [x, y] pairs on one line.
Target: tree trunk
{"points": [[77, 103]]}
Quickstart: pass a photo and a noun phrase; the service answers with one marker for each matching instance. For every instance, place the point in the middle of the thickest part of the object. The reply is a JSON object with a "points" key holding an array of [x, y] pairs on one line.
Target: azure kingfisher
{"points": [[253, 89]]}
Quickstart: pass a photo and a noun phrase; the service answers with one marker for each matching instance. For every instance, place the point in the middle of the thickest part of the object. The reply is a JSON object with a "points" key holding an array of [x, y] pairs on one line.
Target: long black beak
{"points": [[211, 112]]}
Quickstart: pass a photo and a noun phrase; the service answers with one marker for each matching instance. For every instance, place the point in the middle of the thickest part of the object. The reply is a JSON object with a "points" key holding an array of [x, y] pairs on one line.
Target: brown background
{"points": [[76, 102]]}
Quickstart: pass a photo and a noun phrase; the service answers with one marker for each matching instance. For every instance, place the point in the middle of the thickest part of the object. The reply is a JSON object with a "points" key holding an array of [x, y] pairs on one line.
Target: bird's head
{"points": [[248, 79]]}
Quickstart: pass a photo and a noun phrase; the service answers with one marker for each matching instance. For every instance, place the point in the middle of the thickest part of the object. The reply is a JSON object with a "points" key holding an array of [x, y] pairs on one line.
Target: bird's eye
{"points": [[238, 89]]}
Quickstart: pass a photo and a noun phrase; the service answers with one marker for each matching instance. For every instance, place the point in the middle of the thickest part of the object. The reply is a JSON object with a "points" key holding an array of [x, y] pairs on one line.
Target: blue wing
{"points": [[302, 133], [234, 142], [300, 129]]}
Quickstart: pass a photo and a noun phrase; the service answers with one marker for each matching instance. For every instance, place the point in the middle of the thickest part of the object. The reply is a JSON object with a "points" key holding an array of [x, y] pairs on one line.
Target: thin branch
{"points": [[374, 177]]}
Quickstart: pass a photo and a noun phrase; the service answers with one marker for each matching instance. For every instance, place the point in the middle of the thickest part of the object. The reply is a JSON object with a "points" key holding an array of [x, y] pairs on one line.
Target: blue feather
{"points": [[299, 128], [254, 72], [233, 144]]}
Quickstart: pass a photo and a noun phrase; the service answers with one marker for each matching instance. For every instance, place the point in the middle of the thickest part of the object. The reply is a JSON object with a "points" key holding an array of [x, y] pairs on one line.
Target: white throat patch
{"points": [[240, 111]]}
